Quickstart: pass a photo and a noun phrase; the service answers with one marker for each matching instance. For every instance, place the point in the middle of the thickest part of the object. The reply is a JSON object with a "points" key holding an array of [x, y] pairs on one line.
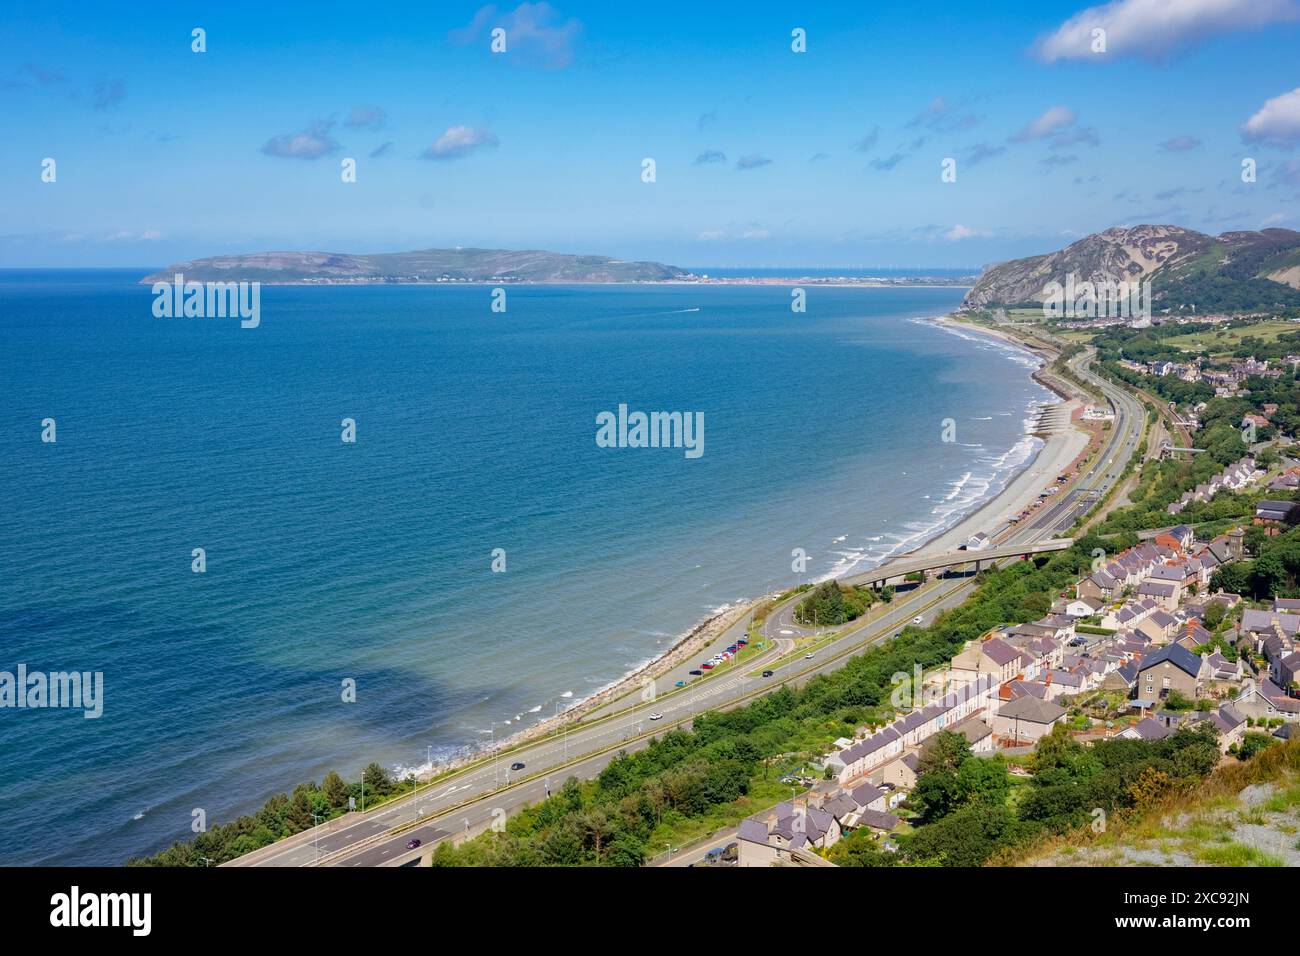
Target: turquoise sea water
{"points": [[371, 561]]}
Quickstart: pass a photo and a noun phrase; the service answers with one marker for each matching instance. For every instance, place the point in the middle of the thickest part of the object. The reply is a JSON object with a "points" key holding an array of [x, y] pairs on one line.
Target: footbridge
{"points": [[951, 559]]}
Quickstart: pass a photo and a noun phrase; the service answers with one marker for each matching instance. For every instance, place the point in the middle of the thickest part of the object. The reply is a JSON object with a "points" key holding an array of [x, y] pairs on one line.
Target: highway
{"points": [[473, 798]]}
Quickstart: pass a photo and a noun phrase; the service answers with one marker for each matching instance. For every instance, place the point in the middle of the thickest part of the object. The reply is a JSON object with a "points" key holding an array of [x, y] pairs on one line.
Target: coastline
{"points": [[1057, 453]]}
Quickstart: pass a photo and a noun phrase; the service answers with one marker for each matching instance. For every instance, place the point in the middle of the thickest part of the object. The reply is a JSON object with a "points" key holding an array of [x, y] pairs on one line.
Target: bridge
{"points": [[952, 559]]}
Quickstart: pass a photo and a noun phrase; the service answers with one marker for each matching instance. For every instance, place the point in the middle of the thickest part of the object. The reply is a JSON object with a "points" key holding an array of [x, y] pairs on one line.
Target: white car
{"points": [[656, 716], [809, 656], [918, 620]]}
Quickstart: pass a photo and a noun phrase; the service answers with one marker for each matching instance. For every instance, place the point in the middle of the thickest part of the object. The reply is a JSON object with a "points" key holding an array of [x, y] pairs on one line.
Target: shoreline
{"points": [[1056, 454], [837, 282]]}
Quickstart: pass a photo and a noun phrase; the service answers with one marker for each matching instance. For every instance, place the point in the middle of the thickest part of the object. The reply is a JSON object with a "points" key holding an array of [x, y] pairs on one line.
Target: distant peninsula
{"points": [[489, 265], [425, 265]]}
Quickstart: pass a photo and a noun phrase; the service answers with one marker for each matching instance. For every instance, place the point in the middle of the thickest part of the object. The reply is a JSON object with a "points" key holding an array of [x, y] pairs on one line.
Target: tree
{"points": [[336, 791], [298, 816], [983, 780], [968, 837], [1150, 787], [377, 781], [1214, 615], [945, 751], [1253, 743]]}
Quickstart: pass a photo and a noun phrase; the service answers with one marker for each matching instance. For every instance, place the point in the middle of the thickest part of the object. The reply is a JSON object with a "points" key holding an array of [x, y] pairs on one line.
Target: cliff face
{"points": [[428, 265], [1188, 270]]}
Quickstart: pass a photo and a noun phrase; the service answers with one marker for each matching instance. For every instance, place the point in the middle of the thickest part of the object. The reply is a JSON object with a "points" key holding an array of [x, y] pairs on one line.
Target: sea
{"points": [[330, 565]]}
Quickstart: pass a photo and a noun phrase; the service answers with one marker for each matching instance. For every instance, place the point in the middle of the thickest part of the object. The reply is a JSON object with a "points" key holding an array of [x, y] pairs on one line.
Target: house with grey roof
{"points": [[1147, 728], [1026, 719], [1172, 667], [1229, 723], [994, 659], [1164, 593]]}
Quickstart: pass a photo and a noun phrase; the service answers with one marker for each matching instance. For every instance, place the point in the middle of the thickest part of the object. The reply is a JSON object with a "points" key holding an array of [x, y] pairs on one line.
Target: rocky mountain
{"points": [[427, 265], [1189, 271]]}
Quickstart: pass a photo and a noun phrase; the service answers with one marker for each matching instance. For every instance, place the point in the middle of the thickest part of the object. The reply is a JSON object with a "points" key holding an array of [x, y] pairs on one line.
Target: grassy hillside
{"points": [[1243, 814]]}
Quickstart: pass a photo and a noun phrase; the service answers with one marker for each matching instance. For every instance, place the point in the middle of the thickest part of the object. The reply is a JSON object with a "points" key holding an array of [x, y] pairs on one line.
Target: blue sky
{"points": [[764, 156]]}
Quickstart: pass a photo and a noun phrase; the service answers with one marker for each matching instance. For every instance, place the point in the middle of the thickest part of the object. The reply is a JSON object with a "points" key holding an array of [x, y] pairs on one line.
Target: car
{"points": [[708, 665], [517, 765], [680, 683], [413, 844], [767, 673], [743, 642], [697, 673], [656, 716], [809, 656], [918, 620]]}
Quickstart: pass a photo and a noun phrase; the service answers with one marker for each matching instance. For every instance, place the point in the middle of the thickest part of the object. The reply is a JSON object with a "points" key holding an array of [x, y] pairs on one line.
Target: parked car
{"points": [[680, 683], [708, 665], [767, 673], [697, 673], [517, 765]]}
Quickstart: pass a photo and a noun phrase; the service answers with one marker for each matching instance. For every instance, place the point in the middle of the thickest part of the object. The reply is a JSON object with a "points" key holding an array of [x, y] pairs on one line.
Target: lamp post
{"points": [[315, 833]]}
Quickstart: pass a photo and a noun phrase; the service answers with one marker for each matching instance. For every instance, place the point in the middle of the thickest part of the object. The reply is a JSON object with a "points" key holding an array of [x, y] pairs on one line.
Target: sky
{"points": [[763, 155]]}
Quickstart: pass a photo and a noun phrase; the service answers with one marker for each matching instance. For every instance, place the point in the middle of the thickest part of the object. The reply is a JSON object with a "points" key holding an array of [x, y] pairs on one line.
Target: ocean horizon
{"points": [[372, 561]]}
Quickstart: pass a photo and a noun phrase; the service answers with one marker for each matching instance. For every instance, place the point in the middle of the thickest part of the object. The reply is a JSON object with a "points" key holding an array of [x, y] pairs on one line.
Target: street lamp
{"points": [[564, 732], [315, 833]]}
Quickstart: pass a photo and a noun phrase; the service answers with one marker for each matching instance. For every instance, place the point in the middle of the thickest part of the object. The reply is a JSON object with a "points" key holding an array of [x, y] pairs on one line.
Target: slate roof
{"points": [[1259, 622], [1175, 654], [755, 831], [866, 794], [1032, 709], [999, 651], [1150, 729], [878, 820]]}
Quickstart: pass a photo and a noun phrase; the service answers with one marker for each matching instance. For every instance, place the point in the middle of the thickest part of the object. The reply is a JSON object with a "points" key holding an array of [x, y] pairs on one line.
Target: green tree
{"points": [[377, 781], [336, 791]]}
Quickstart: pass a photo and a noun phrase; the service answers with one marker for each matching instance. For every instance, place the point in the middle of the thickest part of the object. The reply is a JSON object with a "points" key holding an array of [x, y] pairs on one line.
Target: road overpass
{"points": [[952, 559]]}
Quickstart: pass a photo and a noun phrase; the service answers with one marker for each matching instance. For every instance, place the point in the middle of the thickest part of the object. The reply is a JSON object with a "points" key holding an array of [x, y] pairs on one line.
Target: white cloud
{"points": [[1054, 118], [1154, 29], [458, 141], [534, 34], [312, 143], [1277, 122], [960, 232]]}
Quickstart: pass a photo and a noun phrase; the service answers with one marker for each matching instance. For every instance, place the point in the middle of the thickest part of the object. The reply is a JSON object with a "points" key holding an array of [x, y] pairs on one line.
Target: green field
{"points": [[1220, 342]]}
